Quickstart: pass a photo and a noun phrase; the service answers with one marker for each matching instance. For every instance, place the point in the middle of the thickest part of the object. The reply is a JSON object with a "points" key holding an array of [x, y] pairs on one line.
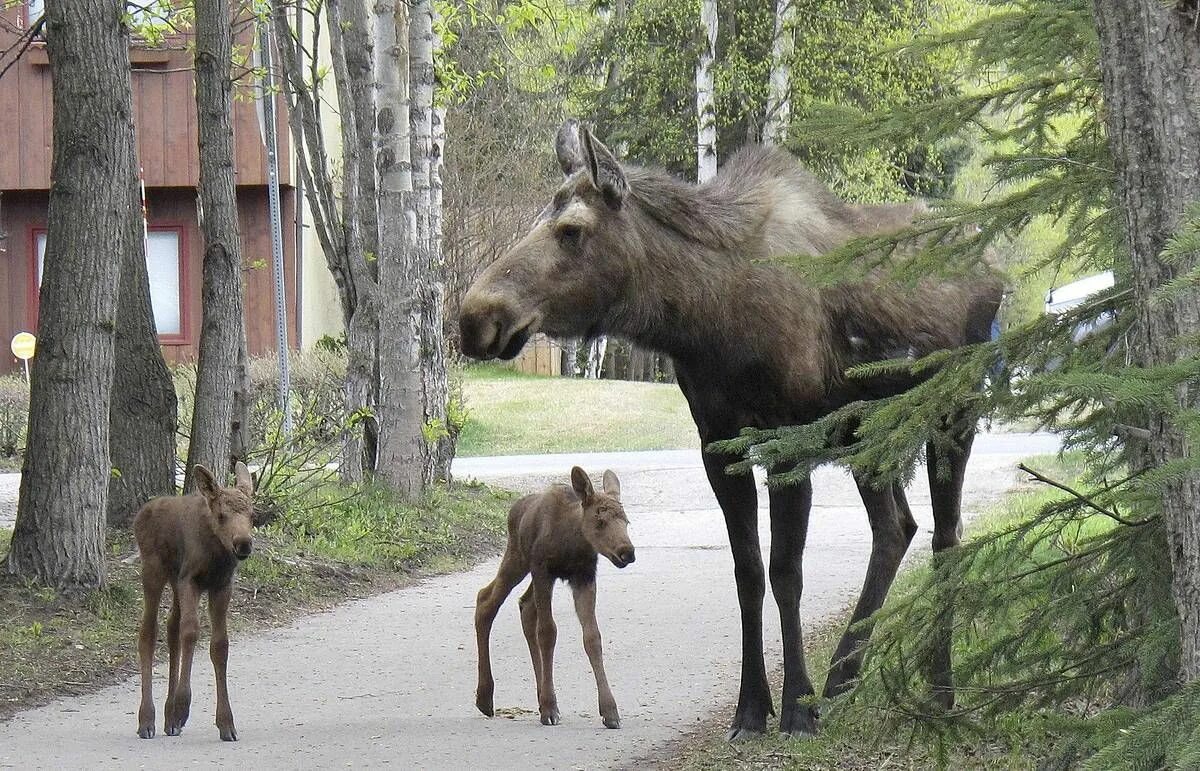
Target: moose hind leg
{"points": [[547, 638], [738, 499], [889, 541], [790, 507], [487, 605], [152, 589], [947, 470]]}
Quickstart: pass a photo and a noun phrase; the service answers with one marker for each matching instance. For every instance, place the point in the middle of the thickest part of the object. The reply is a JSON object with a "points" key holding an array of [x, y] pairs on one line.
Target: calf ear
{"points": [[612, 485], [244, 482], [566, 147], [581, 483], [604, 169], [206, 483]]}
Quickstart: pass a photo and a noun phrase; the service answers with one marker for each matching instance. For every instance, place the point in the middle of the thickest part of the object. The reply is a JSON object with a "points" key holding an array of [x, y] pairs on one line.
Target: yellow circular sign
{"points": [[23, 344]]}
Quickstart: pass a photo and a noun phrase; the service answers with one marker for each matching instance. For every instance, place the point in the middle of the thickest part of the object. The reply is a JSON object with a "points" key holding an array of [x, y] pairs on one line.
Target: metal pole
{"points": [[272, 145]]}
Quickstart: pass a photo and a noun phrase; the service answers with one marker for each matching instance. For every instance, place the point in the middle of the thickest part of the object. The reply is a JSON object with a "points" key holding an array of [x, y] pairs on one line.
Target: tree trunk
{"points": [[706, 114], [402, 454], [779, 103], [220, 375], [142, 414], [1150, 61], [426, 263], [92, 221]]}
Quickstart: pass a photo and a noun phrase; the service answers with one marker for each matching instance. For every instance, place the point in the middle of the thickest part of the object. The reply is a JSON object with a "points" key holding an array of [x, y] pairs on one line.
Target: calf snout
{"points": [[242, 548]]}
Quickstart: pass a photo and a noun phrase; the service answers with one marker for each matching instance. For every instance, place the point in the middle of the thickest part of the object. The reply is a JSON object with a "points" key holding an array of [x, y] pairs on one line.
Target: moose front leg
{"points": [[946, 473], [218, 650], [738, 499], [152, 589], [179, 701], [790, 507], [585, 609]]}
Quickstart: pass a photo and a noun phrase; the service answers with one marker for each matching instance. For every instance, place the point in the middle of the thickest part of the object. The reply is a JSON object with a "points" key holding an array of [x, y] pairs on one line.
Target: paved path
{"points": [[390, 680]]}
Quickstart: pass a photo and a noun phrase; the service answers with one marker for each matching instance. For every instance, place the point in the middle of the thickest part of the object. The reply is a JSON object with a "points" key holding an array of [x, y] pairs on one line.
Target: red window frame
{"points": [[183, 337]]}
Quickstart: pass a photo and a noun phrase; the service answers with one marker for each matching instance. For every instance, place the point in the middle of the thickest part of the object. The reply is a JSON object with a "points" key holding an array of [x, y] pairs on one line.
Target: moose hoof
{"points": [[551, 717], [228, 734], [484, 705], [612, 721], [172, 729], [146, 732], [798, 720]]}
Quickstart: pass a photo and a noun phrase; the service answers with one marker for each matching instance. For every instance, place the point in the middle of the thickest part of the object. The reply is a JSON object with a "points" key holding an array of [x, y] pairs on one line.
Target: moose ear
{"points": [[206, 483], [612, 485], [604, 169], [582, 484], [245, 482], [567, 148]]}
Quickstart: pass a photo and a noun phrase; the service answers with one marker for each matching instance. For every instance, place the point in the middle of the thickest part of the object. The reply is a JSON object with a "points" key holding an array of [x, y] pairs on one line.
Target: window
{"points": [[33, 11], [163, 251]]}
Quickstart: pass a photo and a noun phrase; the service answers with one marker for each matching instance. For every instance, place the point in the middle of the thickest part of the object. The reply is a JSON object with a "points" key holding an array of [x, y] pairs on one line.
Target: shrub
{"points": [[14, 416]]}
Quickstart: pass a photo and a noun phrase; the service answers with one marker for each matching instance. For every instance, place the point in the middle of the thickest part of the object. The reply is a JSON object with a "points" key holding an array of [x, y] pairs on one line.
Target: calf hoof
{"points": [[228, 733], [611, 721], [172, 729], [146, 731], [484, 704], [551, 716], [798, 720]]}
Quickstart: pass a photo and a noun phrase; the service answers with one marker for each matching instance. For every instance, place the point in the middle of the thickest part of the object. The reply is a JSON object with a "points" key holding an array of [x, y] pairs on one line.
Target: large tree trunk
{"points": [[706, 114], [1150, 59], [93, 221], [402, 452], [142, 414], [779, 104], [220, 376], [426, 261]]}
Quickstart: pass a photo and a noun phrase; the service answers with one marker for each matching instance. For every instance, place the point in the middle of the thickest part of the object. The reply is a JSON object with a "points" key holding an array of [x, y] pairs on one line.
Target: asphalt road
{"points": [[389, 681]]}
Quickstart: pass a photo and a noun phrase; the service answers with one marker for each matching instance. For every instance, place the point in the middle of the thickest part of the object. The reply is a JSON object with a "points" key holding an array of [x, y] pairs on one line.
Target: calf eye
{"points": [[569, 236], [600, 523]]}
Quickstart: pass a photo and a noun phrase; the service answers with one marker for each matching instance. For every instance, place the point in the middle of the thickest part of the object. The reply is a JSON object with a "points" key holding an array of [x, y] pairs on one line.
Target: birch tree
{"points": [[779, 105], [706, 115]]}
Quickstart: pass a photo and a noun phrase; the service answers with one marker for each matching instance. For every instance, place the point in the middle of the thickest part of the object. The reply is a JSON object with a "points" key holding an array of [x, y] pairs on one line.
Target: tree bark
{"points": [[1150, 62], [221, 379], [143, 410], [92, 221], [402, 453], [706, 115], [779, 104]]}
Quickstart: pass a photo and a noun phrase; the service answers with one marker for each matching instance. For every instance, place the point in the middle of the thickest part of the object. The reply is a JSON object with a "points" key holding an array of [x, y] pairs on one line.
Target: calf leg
{"points": [[179, 703], [790, 507], [738, 498], [218, 651], [585, 609], [172, 652], [487, 605], [889, 541], [547, 637], [946, 473], [529, 617], [152, 589]]}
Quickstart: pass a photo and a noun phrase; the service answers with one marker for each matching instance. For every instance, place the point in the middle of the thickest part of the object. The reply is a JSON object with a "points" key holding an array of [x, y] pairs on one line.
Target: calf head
{"points": [[605, 525], [230, 509]]}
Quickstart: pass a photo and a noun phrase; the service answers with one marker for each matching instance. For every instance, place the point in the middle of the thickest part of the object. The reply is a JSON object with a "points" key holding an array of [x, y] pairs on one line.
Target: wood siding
{"points": [[164, 116], [23, 214]]}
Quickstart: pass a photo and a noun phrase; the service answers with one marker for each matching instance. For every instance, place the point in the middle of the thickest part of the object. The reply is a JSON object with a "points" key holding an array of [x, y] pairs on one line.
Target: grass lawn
{"points": [[54, 644], [511, 414]]}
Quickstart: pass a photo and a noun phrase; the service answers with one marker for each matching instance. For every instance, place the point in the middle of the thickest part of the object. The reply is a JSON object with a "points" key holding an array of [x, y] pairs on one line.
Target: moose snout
{"points": [[624, 556], [242, 547], [490, 329]]}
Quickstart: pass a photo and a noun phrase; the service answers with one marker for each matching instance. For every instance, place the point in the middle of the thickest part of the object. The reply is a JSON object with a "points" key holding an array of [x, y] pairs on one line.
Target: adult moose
{"points": [[678, 268]]}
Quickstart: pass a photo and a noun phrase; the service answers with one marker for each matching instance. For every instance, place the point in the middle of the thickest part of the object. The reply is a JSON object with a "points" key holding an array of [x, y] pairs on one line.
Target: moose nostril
{"points": [[627, 555], [242, 547]]}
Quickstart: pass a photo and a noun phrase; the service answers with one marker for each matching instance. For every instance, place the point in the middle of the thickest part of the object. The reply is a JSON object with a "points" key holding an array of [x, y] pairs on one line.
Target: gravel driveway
{"points": [[390, 680]]}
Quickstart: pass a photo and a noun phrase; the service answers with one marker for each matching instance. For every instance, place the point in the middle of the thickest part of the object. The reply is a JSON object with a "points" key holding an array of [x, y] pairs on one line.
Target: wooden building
{"points": [[165, 121]]}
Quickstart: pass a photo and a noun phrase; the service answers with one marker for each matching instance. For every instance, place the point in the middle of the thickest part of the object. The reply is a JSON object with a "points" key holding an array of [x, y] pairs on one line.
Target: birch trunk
{"points": [[402, 453], [779, 104], [1150, 63], [93, 217], [706, 115]]}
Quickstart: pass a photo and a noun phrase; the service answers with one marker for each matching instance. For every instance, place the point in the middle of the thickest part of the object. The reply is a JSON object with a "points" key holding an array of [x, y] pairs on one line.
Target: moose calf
{"points": [[194, 543], [556, 534]]}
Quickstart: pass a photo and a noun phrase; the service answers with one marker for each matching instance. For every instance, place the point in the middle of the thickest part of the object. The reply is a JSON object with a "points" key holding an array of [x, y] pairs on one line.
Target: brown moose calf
{"points": [[195, 543], [556, 534]]}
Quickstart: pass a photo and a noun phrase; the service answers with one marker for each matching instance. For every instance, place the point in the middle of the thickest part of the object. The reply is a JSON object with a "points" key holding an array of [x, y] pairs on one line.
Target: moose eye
{"points": [[569, 236], [600, 523]]}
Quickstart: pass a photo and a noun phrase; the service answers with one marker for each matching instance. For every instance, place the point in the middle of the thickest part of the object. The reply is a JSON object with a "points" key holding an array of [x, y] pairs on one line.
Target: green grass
{"points": [[512, 414], [336, 548]]}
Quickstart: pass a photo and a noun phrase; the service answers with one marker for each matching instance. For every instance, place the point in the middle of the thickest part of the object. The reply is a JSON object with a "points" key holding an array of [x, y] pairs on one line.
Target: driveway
{"points": [[390, 680]]}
